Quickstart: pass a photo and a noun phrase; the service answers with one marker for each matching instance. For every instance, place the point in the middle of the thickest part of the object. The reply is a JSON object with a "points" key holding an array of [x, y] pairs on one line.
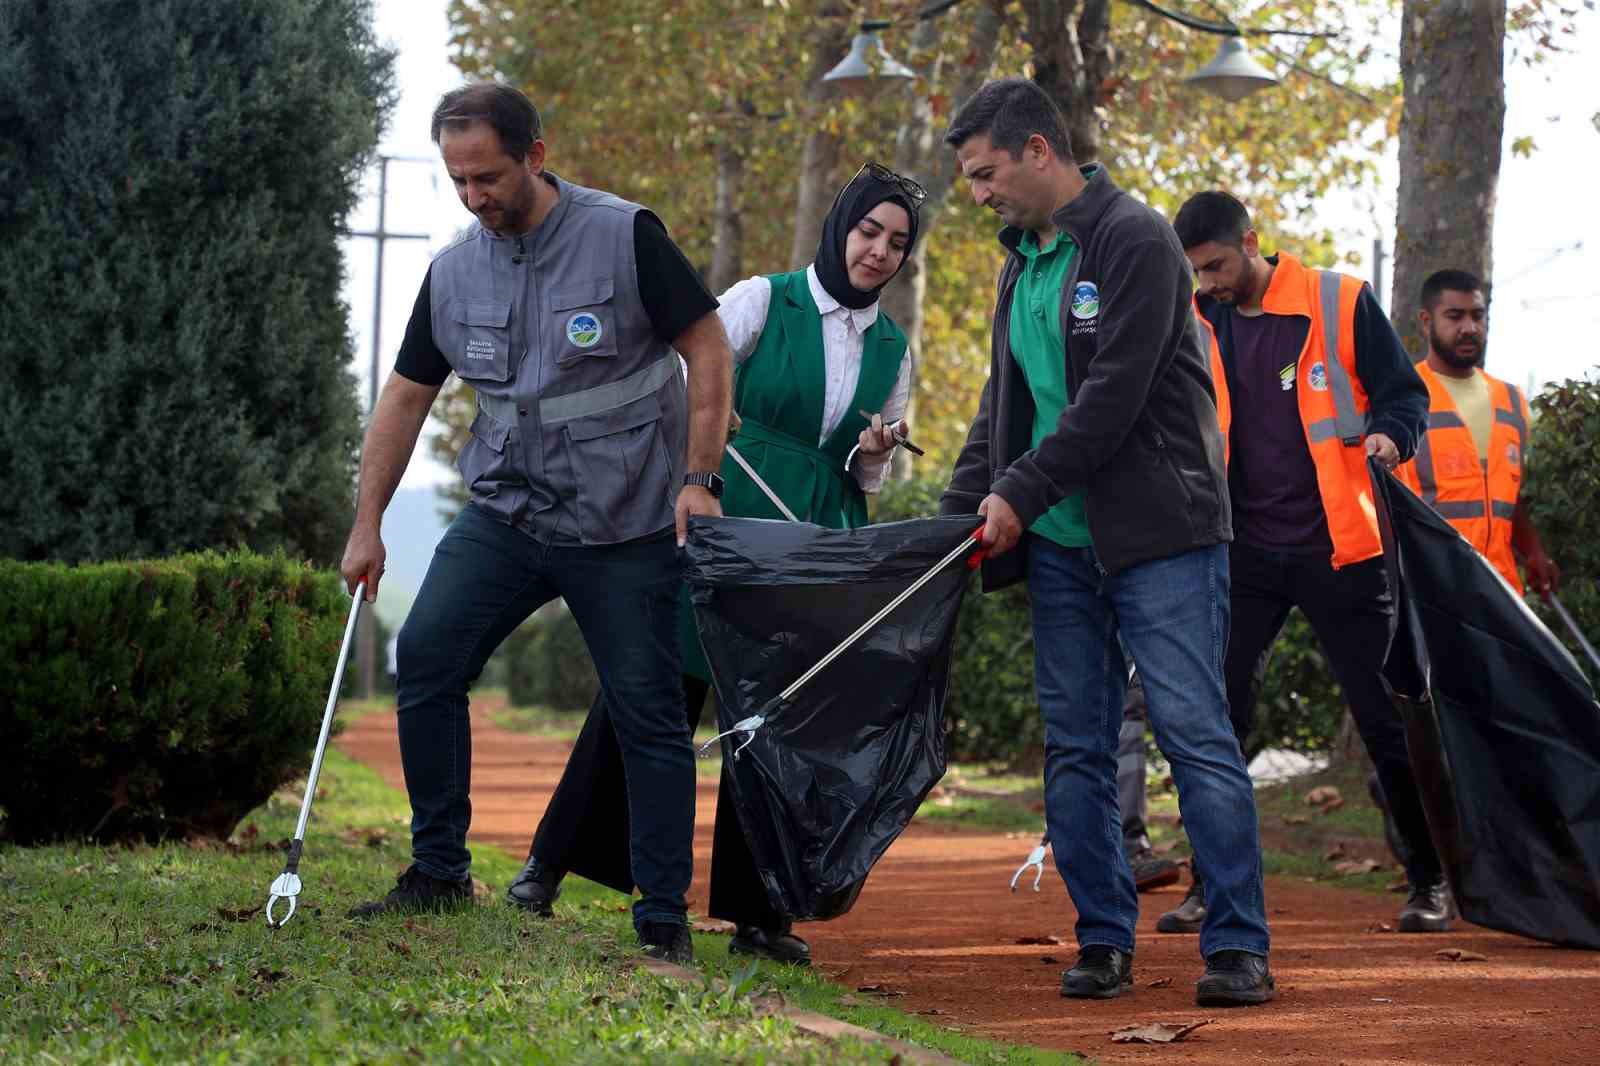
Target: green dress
{"points": [[778, 392]]}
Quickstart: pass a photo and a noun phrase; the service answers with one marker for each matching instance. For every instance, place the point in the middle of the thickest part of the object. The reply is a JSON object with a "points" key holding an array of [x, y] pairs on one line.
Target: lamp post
{"points": [[1232, 73]]}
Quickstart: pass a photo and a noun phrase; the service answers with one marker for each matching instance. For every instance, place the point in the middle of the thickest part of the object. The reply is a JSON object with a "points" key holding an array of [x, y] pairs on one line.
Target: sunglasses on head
{"points": [[878, 172]]}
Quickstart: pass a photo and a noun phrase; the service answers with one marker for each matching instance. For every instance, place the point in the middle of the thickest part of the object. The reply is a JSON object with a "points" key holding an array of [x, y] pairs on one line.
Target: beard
{"points": [[1456, 357]]}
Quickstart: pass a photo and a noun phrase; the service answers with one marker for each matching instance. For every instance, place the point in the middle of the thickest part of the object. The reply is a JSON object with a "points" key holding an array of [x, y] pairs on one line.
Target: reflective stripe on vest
{"points": [[1347, 423], [598, 400]]}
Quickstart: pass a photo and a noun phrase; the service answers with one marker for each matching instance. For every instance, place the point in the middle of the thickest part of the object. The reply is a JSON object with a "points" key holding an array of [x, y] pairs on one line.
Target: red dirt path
{"points": [[936, 924]]}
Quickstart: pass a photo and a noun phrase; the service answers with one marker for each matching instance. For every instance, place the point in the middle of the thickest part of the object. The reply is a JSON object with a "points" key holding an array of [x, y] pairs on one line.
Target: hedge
{"points": [[159, 698], [547, 663]]}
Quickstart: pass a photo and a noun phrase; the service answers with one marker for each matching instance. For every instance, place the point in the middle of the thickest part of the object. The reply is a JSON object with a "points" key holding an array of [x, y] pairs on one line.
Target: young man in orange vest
{"points": [[1468, 465], [1311, 381]]}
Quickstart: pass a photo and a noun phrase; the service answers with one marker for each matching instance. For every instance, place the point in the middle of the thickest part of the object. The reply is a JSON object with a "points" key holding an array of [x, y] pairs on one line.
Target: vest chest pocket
{"points": [[585, 320], [482, 341]]}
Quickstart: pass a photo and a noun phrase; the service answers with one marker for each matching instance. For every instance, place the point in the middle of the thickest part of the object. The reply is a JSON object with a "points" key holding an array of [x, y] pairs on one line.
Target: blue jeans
{"points": [[485, 579], [1172, 615]]}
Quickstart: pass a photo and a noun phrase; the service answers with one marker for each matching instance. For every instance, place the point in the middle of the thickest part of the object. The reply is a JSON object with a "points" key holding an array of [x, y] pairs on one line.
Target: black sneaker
{"points": [[535, 888], [1189, 915], [1428, 910], [779, 945], [667, 941], [1101, 973], [1235, 979], [417, 893], [1151, 870]]}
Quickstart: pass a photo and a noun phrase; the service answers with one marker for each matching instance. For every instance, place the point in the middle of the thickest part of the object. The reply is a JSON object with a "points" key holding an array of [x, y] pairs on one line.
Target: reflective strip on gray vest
{"points": [[611, 395], [1347, 425]]}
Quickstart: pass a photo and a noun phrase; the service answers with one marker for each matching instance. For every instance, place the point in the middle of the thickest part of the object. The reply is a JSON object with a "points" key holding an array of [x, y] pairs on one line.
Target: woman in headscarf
{"points": [[821, 382]]}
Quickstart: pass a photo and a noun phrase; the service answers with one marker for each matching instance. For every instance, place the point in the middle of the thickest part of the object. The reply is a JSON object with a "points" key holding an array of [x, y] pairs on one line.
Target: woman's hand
{"points": [[879, 439]]}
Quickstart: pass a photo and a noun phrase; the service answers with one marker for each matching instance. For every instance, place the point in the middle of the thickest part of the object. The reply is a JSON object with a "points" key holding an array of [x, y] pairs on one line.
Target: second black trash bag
{"points": [[1503, 731], [833, 776]]}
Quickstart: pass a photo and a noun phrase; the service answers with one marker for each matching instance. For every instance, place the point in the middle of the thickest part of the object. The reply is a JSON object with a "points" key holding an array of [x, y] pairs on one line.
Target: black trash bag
{"points": [[1503, 732], [832, 778]]}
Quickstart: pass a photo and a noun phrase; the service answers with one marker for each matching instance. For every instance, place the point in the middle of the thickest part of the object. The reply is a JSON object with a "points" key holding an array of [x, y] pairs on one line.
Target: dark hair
{"points": [[509, 113], [1212, 216], [1010, 111], [1454, 280]]}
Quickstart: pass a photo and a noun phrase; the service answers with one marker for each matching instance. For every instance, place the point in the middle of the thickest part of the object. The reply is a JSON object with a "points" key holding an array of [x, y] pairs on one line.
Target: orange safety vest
{"points": [[1333, 403], [1477, 497]]}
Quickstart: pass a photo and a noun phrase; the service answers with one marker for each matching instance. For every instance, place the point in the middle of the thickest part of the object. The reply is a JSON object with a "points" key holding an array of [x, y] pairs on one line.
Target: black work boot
{"points": [[667, 941], [1151, 870], [535, 888], [1235, 979], [1189, 915], [417, 893], [779, 945], [1101, 973], [1428, 910]]}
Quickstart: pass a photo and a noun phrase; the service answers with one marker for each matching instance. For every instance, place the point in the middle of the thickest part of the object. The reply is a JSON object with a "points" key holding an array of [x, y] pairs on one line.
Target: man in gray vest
{"points": [[561, 306]]}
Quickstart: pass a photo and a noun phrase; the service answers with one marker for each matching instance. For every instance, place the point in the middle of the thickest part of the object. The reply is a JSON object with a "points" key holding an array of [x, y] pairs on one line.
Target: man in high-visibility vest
{"points": [[1468, 465], [1311, 381]]}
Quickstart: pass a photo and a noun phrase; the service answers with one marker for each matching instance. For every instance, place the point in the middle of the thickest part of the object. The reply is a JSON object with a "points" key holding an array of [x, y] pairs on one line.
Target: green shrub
{"points": [[1561, 488], [547, 663], [175, 181], [159, 698], [992, 712]]}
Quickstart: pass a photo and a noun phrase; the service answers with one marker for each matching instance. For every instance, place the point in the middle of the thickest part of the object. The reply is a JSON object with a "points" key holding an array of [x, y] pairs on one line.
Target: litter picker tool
{"points": [[287, 884], [1036, 861], [780, 702], [1572, 627], [760, 484]]}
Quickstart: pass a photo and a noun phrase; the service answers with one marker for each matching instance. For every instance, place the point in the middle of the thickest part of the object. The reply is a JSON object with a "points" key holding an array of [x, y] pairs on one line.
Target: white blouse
{"points": [[743, 310]]}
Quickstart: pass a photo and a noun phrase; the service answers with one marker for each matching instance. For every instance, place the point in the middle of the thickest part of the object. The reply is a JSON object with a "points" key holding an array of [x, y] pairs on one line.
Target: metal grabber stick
{"points": [[287, 885], [1035, 859], [1572, 626]]}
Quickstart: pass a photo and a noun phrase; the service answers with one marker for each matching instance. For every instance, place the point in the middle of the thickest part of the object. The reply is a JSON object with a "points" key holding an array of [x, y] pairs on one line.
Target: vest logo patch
{"points": [[1513, 455], [480, 348], [1085, 300], [1319, 377], [1286, 378], [584, 330]]}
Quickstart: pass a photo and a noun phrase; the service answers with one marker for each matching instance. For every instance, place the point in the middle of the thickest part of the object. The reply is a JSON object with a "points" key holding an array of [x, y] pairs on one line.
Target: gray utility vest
{"points": [[582, 415]]}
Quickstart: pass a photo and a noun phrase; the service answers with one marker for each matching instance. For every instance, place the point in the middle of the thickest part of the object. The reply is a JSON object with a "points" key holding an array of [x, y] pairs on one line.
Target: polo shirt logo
{"points": [[1085, 300], [1318, 377]]}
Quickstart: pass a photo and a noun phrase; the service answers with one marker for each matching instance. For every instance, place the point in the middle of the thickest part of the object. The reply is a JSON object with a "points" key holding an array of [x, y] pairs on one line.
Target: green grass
{"points": [[540, 721], [157, 954]]}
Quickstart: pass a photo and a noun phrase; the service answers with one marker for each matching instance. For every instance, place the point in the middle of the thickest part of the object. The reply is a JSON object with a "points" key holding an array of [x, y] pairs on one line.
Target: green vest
{"points": [[778, 392]]}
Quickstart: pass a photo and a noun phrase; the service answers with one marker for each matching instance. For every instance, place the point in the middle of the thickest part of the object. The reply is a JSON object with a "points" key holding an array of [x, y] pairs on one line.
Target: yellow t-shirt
{"points": [[1471, 397]]}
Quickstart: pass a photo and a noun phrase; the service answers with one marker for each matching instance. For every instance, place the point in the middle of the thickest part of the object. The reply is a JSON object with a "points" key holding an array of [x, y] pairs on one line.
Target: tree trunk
{"points": [[727, 234], [920, 153], [1452, 58], [821, 156], [1071, 60]]}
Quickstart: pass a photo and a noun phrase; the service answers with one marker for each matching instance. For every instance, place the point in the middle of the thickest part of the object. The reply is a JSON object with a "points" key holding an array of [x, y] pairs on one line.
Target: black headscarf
{"points": [[856, 199]]}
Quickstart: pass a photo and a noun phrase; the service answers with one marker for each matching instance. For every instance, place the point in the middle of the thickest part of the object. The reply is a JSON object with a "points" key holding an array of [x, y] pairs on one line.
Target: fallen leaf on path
{"points": [[1360, 866], [834, 975], [1156, 1032], [1460, 955], [931, 1010], [713, 925], [1382, 999], [1323, 794], [481, 890], [1160, 982], [1040, 940], [239, 916], [1334, 853], [878, 990], [1331, 806], [1049, 960], [769, 1002], [1380, 927], [1296, 819]]}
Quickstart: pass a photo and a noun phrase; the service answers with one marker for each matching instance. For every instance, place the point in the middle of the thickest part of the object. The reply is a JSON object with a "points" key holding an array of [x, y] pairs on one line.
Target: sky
{"points": [[1544, 321]]}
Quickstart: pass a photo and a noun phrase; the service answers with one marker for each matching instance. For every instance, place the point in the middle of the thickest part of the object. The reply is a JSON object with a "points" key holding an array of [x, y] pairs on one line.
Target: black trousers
{"points": [[1351, 610], [585, 829]]}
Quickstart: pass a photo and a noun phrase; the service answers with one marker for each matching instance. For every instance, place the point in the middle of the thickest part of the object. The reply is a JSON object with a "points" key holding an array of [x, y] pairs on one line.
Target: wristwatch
{"points": [[711, 482]]}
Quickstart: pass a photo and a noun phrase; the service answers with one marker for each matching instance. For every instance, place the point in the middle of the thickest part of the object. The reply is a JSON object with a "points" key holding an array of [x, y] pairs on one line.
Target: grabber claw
{"points": [[287, 886], [1035, 859]]}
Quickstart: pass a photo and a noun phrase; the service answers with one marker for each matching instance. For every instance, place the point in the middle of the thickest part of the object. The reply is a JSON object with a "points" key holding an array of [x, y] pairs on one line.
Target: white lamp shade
{"points": [[867, 59], [1232, 74]]}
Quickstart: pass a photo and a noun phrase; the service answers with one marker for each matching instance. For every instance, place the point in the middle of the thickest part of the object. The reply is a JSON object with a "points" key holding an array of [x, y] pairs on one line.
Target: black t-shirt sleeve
{"points": [[420, 358], [673, 294], [1398, 397]]}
